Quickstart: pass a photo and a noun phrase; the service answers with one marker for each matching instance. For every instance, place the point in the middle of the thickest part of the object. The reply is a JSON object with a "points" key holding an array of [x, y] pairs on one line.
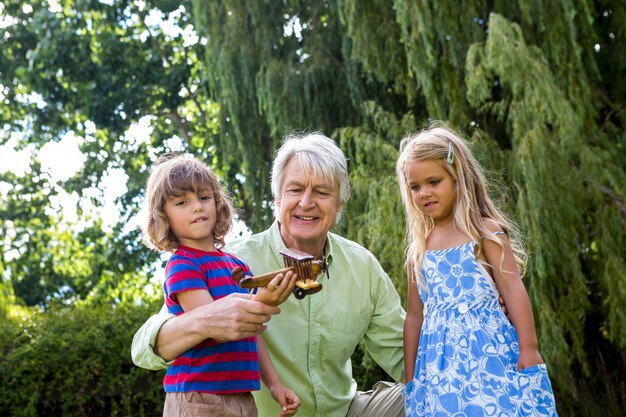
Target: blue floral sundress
{"points": [[467, 356]]}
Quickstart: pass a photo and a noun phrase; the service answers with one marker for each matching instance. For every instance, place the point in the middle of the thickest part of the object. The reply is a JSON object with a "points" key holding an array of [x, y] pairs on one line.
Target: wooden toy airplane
{"points": [[300, 262]]}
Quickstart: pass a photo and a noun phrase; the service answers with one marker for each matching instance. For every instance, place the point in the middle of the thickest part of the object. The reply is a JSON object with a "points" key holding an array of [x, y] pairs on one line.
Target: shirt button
{"points": [[462, 308]]}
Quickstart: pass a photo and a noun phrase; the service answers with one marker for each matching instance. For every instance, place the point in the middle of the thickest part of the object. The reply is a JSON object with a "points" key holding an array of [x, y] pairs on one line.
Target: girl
{"points": [[190, 214], [462, 355]]}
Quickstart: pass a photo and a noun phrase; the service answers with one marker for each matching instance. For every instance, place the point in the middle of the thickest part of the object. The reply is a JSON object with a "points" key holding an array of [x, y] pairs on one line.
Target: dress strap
{"points": [[496, 233]]}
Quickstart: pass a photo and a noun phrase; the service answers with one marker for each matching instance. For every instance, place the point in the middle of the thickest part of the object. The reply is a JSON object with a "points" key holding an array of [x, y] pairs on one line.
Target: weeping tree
{"points": [[538, 89]]}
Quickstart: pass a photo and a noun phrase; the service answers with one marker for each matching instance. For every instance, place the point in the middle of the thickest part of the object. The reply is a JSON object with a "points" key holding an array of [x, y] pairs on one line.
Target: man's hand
{"points": [[234, 317], [230, 318], [503, 305]]}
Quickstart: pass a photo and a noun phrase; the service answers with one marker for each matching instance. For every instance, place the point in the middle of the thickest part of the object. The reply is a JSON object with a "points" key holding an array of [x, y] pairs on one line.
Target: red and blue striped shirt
{"points": [[211, 367]]}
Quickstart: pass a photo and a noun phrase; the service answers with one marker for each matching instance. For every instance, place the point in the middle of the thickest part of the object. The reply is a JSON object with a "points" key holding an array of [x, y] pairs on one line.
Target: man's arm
{"points": [[144, 340], [164, 337], [384, 337]]}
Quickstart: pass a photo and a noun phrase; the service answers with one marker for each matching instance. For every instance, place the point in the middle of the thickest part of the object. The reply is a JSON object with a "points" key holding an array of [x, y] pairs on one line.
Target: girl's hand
{"points": [[528, 358], [277, 290], [288, 400]]}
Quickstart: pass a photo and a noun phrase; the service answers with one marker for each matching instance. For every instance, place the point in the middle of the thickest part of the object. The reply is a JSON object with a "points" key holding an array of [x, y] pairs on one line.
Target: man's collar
{"points": [[277, 243]]}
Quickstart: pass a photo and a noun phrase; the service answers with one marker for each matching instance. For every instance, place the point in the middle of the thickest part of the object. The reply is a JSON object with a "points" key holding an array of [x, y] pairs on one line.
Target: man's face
{"points": [[307, 207]]}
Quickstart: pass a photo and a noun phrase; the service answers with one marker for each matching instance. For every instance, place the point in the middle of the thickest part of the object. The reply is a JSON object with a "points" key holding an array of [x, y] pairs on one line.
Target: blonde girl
{"points": [[462, 355]]}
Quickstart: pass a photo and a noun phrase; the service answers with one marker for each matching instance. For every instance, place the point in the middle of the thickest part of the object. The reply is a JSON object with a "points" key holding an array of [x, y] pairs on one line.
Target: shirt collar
{"points": [[277, 243]]}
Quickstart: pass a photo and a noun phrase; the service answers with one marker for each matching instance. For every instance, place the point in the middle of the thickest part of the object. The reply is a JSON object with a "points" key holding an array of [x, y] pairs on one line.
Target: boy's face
{"points": [[192, 217], [307, 209]]}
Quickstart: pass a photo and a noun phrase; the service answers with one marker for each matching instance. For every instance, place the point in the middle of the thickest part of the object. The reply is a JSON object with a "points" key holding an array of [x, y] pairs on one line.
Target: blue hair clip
{"points": [[450, 158]]}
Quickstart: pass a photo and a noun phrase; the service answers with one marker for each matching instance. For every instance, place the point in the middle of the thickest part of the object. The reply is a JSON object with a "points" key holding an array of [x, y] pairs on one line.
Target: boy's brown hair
{"points": [[173, 175]]}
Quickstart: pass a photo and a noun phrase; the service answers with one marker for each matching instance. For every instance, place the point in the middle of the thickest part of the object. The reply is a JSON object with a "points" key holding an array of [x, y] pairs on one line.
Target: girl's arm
{"points": [[512, 290], [412, 324], [288, 400]]}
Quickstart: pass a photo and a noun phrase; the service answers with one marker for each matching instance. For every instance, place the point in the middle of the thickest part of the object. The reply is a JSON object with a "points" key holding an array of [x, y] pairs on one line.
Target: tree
{"points": [[92, 70], [538, 89]]}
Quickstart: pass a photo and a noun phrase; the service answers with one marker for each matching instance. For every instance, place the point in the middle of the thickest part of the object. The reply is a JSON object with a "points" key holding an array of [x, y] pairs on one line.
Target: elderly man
{"points": [[311, 341]]}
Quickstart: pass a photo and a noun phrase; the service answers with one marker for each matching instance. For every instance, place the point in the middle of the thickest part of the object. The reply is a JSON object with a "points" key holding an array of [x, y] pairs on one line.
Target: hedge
{"points": [[76, 362]]}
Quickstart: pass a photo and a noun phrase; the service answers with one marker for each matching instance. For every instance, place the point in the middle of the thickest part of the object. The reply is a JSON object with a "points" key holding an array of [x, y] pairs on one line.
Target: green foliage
{"points": [[373, 211], [76, 362], [537, 89], [91, 70], [536, 86], [552, 153], [261, 74]]}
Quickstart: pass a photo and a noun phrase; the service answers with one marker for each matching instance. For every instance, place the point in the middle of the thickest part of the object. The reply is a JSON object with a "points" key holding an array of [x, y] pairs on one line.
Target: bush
{"points": [[76, 362]]}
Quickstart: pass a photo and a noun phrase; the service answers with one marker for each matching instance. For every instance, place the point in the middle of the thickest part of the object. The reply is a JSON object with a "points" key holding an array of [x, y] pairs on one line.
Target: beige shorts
{"points": [[383, 400], [200, 404]]}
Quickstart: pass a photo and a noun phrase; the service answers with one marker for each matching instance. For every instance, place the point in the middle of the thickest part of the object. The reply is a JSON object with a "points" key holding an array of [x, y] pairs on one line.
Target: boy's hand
{"points": [[277, 290], [288, 400]]}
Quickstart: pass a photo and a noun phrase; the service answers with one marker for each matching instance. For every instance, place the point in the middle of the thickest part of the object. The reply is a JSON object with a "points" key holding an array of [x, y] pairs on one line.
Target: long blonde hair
{"points": [[472, 203], [174, 175]]}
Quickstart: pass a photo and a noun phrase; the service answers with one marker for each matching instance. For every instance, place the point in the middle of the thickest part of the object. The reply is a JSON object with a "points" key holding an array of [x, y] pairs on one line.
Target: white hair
{"points": [[319, 156]]}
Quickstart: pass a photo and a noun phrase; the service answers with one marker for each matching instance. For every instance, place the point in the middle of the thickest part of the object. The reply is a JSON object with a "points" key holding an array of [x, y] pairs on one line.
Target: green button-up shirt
{"points": [[311, 340]]}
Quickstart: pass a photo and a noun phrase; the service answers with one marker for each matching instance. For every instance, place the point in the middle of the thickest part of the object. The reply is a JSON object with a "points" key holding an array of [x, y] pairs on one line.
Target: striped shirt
{"points": [[211, 367]]}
